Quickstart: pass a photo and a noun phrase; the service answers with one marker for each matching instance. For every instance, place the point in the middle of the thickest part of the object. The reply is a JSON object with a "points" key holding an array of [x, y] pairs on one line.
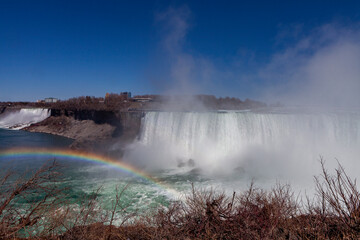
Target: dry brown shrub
{"points": [[41, 194]]}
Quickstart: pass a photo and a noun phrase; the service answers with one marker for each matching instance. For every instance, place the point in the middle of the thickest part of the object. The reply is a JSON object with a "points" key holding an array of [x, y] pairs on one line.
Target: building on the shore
{"points": [[51, 100], [126, 94]]}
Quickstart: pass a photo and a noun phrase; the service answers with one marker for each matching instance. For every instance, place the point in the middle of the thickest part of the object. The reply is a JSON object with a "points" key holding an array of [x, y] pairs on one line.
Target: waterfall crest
{"points": [[252, 140], [19, 119]]}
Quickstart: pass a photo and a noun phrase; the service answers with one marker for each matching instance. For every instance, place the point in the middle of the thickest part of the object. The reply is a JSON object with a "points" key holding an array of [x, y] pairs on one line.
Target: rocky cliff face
{"points": [[91, 129], [98, 116], [125, 123]]}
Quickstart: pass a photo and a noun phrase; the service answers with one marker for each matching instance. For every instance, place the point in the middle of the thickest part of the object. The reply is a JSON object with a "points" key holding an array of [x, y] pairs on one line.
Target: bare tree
{"points": [[341, 195], [40, 194]]}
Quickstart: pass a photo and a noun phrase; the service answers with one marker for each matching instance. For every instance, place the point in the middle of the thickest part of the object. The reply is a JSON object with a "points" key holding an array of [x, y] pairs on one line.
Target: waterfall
{"points": [[251, 140], [18, 119]]}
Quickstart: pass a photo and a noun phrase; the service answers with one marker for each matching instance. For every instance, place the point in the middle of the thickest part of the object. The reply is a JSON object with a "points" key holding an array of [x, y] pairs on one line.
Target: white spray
{"points": [[260, 145]]}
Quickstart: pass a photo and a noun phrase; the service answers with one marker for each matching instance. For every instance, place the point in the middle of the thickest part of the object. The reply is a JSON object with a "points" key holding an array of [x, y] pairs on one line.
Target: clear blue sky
{"points": [[73, 48]]}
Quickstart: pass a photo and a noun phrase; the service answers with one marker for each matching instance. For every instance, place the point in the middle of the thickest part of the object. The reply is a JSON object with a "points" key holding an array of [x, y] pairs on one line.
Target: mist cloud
{"points": [[184, 72], [320, 69]]}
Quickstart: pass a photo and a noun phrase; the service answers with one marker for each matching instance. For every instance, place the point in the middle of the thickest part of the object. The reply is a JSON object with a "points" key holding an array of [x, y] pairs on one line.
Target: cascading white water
{"points": [[19, 119], [261, 144]]}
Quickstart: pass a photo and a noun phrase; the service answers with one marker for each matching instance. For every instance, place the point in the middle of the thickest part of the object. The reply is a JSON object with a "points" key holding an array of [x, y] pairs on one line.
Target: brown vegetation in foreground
{"points": [[253, 214]]}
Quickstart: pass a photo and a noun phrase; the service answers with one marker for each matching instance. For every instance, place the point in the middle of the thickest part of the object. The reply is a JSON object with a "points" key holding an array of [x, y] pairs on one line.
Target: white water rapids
{"points": [[18, 119]]}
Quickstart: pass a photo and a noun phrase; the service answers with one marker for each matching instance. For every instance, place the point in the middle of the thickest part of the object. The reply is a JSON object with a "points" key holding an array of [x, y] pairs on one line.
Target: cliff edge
{"points": [[91, 129]]}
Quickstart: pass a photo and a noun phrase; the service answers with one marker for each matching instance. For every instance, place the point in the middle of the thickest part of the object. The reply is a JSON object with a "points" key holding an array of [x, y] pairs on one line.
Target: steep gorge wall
{"points": [[127, 124]]}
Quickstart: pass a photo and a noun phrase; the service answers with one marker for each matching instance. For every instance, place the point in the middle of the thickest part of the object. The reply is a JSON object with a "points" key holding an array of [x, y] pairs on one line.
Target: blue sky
{"points": [[247, 49]]}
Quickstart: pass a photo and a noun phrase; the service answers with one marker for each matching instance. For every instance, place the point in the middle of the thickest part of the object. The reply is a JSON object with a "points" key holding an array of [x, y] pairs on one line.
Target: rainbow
{"points": [[88, 157]]}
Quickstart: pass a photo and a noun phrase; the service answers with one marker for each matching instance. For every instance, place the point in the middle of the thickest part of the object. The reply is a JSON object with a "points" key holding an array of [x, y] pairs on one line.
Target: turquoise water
{"points": [[81, 179]]}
